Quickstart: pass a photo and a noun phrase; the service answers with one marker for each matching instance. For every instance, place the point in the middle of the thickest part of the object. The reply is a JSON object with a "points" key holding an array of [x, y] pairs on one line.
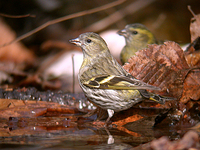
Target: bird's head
{"points": [[91, 43], [137, 33]]}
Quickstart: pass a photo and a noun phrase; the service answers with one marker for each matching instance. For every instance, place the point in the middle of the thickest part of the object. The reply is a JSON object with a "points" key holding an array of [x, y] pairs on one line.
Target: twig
{"points": [[161, 18], [20, 16], [79, 14], [110, 11], [73, 69], [118, 15], [190, 9]]}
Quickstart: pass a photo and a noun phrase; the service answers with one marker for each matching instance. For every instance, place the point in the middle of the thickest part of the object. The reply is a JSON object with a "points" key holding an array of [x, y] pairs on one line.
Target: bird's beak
{"points": [[122, 32], [75, 41]]}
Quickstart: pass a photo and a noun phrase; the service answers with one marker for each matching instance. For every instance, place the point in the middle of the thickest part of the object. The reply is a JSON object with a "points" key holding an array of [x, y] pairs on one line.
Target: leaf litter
{"points": [[167, 66]]}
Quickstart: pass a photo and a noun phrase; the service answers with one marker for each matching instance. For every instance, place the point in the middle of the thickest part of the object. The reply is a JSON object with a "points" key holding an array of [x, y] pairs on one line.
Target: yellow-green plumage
{"points": [[104, 81], [137, 37]]}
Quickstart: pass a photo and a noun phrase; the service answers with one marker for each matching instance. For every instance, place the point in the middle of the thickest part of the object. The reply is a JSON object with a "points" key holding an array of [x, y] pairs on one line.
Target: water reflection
{"points": [[71, 133], [111, 140], [78, 137]]}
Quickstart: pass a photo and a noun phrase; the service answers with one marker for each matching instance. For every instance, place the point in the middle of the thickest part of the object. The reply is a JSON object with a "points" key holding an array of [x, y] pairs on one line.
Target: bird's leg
{"points": [[110, 114]]}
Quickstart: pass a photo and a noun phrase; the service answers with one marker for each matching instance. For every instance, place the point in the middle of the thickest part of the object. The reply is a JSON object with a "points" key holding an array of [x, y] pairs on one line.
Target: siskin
{"points": [[137, 37], [104, 81]]}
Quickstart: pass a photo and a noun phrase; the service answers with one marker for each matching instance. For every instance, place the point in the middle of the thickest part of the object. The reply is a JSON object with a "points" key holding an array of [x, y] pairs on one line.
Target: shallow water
{"points": [[60, 130], [81, 137]]}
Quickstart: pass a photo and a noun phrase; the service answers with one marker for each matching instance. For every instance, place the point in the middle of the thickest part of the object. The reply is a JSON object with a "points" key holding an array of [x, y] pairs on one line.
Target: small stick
{"points": [[73, 69], [190, 9], [118, 15]]}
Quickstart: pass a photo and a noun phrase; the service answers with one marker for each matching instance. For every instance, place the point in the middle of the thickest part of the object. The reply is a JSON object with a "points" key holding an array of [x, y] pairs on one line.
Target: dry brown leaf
{"points": [[160, 65], [5, 103], [193, 59], [191, 86], [15, 52], [194, 27], [165, 66], [189, 140], [193, 53], [20, 108]]}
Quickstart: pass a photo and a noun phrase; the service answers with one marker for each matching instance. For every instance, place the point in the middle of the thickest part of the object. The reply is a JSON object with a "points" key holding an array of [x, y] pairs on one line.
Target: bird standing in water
{"points": [[104, 81], [137, 37]]}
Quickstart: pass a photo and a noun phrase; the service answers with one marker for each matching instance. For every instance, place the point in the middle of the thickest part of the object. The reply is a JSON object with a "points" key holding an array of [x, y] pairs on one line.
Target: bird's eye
{"points": [[135, 32], [89, 41]]}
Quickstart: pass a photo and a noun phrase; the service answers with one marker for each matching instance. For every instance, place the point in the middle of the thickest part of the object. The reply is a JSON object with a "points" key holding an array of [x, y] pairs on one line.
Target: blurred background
{"points": [[167, 19]]}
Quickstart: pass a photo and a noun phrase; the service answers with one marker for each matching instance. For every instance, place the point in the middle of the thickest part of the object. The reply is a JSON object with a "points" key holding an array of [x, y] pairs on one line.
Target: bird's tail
{"points": [[160, 99]]}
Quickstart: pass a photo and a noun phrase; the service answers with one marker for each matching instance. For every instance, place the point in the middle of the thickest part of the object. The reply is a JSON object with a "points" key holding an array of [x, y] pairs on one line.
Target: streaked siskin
{"points": [[137, 37], [104, 81]]}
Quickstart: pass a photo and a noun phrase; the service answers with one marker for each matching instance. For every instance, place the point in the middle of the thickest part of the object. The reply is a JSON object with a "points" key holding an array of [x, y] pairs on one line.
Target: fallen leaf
{"points": [[194, 26], [15, 52], [189, 141], [20, 108], [193, 59], [191, 86], [164, 66], [193, 53]]}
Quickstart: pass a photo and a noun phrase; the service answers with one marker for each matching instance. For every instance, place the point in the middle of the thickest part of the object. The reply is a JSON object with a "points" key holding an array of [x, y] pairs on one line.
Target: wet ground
{"points": [[63, 129], [79, 137]]}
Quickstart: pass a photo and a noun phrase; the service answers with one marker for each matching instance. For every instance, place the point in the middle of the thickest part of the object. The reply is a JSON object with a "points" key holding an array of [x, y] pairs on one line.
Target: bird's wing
{"points": [[118, 83]]}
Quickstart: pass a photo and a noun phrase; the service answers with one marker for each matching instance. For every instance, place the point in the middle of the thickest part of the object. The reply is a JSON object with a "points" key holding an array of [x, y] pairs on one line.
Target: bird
{"points": [[137, 37], [105, 82]]}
